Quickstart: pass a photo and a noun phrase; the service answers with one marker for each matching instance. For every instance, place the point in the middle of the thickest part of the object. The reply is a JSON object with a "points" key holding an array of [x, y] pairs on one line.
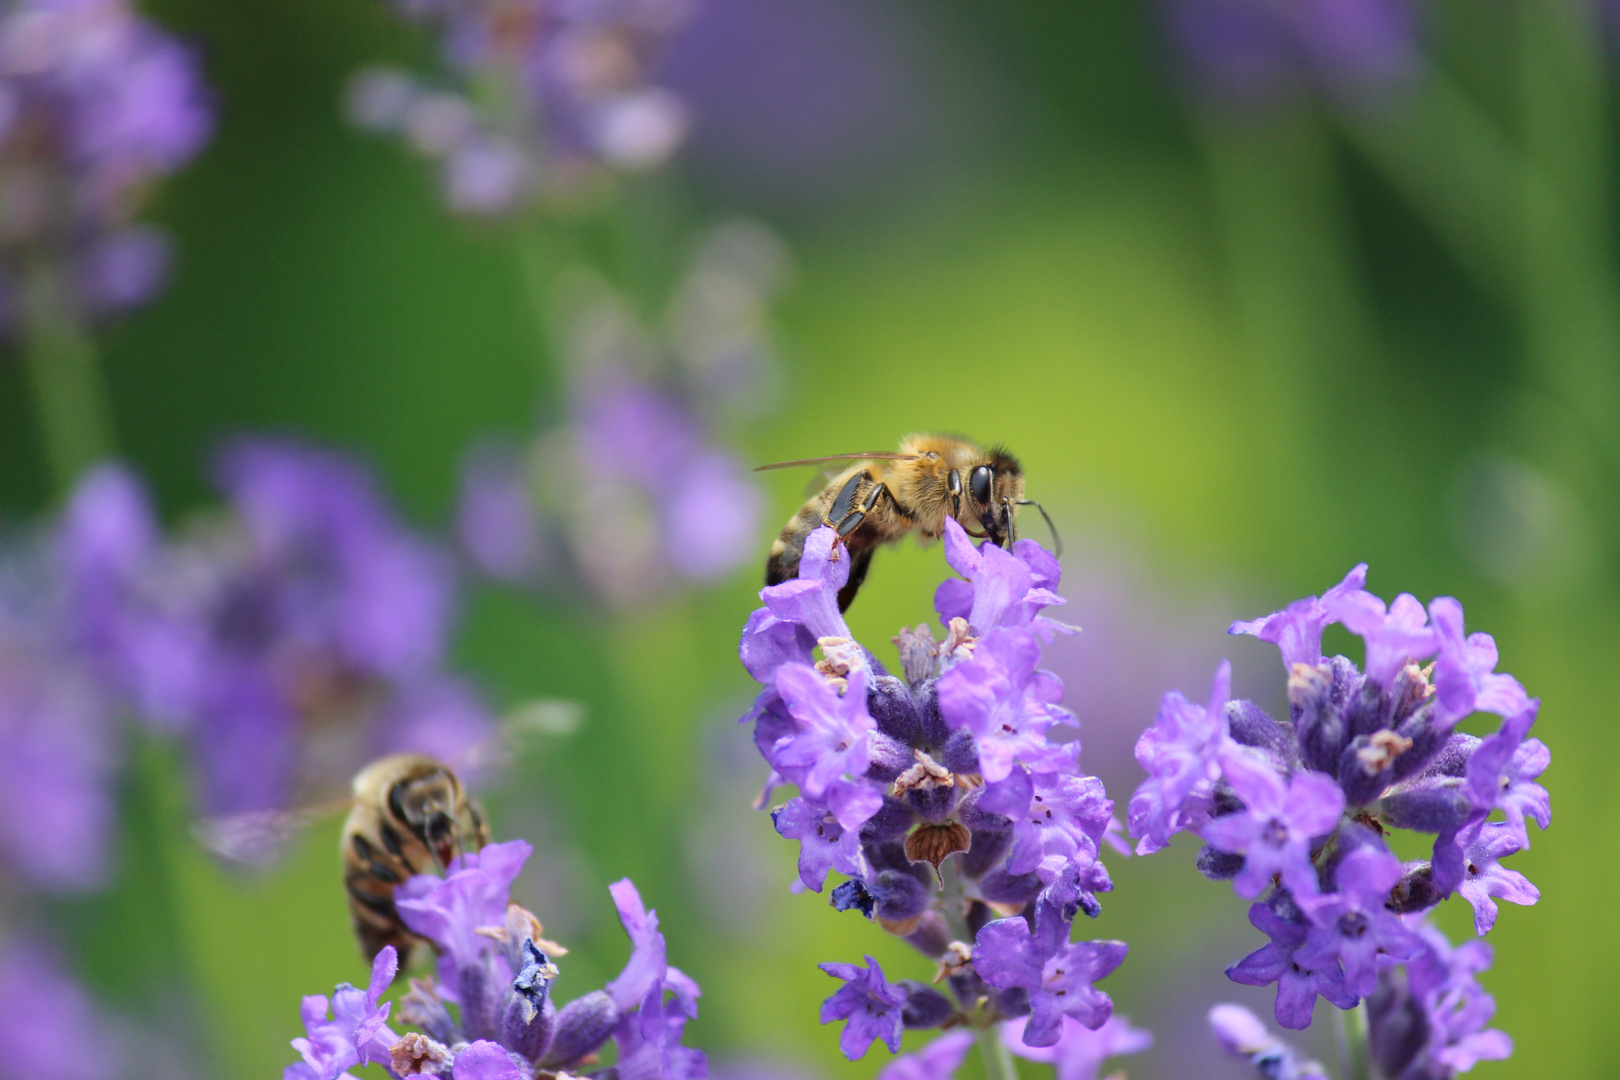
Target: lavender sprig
{"points": [[537, 101], [496, 970], [957, 820], [1297, 814]]}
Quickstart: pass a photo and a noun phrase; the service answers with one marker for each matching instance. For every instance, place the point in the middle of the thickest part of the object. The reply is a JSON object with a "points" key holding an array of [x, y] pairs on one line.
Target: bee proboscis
{"points": [[882, 497]]}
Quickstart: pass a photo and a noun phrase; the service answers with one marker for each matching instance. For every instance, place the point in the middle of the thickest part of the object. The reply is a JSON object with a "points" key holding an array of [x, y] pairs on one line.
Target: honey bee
{"points": [[882, 497], [409, 815]]}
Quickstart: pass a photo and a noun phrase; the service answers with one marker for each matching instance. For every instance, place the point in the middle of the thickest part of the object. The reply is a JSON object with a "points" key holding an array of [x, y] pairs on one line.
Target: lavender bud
{"points": [[1429, 737], [853, 895], [480, 999], [422, 1007], [583, 1025], [1219, 865], [1320, 728], [1250, 726], [1416, 891], [1429, 809], [529, 1017], [1000, 887], [892, 821], [1398, 1027], [925, 1007], [1013, 1001], [960, 753], [900, 896], [890, 758], [894, 709], [931, 937]]}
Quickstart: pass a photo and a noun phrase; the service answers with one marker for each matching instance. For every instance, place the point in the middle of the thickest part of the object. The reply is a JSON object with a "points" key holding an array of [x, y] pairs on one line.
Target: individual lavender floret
{"points": [[1057, 975], [49, 1025], [939, 791], [1300, 810], [1241, 1032], [95, 103], [540, 100], [497, 970], [1251, 53], [1080, 1051]]}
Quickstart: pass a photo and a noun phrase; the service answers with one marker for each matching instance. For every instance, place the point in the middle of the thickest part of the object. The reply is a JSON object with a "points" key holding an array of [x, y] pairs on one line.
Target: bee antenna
{"points": [[1057, 541]]}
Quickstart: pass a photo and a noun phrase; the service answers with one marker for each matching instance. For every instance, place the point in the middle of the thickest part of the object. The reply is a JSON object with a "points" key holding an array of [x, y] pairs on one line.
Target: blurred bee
{"points": [[409, 815], [882, 497]]}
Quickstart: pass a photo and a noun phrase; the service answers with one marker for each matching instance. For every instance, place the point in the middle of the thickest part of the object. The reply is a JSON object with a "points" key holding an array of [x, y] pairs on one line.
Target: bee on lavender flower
{"points": [[882, 497], [410, 814]]}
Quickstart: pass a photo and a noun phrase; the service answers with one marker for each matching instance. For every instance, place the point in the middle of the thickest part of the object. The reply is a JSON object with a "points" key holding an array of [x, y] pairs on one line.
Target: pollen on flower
{"points": [[1385, 747], [1306, 681], [416, 1054], [926, 775]]}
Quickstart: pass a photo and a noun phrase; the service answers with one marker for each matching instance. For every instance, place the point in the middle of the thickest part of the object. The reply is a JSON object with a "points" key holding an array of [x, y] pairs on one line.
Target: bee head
{"points": [[427, 804], [994, 486]]}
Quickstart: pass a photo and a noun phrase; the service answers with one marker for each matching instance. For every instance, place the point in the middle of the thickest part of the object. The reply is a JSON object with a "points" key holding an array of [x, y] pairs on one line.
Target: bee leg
{"points": [[852, 520]]}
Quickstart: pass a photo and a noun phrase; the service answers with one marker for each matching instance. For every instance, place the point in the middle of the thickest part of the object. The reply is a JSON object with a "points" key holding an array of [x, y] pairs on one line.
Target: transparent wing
{"points": [[516, 728], [878, 455], [256, 837]]}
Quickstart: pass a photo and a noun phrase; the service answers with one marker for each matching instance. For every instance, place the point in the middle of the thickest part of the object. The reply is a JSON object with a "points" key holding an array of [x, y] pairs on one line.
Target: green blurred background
{"points": [[1237, 354]]}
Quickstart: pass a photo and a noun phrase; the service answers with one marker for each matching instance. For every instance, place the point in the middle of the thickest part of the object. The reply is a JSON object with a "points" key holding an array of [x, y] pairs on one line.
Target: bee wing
{"points": [[541, 716], [875, 455], [256, 837]]}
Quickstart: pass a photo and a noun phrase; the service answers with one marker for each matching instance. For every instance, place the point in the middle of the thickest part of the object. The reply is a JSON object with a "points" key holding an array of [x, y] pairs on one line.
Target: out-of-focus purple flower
{"points": [[649, 1041], [1249, 52], [496, 517], [1242, 1033], [648, 961], [1080, 1051], [1274, 832], [1353, 925], [485, 1060], [576, 86], [1055, 973], [356, 1032], [48, 1024], [1299, 982], [1429, 1020], [97, 103], [870, 1006], [939, 1060], [1486, 880], [1180, 754]]}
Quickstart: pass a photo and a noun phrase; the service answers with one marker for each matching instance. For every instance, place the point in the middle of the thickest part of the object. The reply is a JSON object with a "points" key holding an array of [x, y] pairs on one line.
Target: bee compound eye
{"points": [[979, 483]]}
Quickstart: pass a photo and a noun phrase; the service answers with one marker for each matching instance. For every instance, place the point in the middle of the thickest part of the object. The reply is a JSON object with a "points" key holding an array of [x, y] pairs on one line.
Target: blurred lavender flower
{"points": [[539, 102], [631, 494], [1080, 1051], [497, 970], [1253, 52], [95, 102], [290, 640], [1299, 810], [1242, 1033], [898, 774], [48, 1023]]}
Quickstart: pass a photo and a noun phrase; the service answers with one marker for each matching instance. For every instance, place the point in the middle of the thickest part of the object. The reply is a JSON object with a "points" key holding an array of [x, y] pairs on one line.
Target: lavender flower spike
{"points": [[1274, 833]]}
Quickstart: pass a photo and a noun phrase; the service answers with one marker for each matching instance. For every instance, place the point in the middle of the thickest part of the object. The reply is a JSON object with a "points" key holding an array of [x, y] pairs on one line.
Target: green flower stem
{"points": [[75, 416], [998, 1062]]}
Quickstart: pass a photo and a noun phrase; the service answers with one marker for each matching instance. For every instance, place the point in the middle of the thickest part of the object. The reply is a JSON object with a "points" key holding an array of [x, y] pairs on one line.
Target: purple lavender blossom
{"points": [[573, 83], [666, 505], [939, 1060], [97, 103], [497, 971], [1180, 754], [1056, 974], [941, 777], [1080, 1051], [1249, 53], [356, 1032], [869, 1005], [1274, 832], [1299, 810], [1429, 1019], [48, 1024], [1299, 982]]}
